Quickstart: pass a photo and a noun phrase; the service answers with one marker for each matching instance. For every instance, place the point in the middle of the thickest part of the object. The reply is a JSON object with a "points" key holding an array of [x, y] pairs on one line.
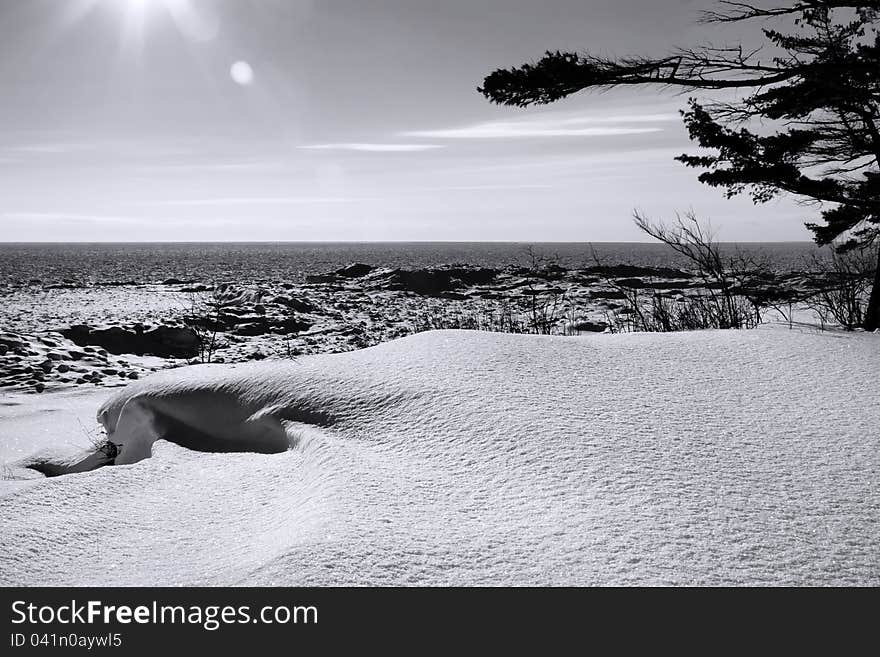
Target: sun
{"points": [[197, 24]]}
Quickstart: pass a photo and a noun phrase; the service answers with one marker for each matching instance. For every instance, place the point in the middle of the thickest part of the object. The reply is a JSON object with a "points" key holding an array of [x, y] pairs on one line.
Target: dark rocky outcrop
{"points": [[341, 275], [290, 325], [632, 271], [299, 305], [164, 341], [607, 294], [435, 282], [590, 327], [252, 328], [354, 270]]}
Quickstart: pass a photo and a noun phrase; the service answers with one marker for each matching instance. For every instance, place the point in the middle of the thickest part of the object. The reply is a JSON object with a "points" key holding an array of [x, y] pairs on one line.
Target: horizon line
{"points": [[7, 243]]}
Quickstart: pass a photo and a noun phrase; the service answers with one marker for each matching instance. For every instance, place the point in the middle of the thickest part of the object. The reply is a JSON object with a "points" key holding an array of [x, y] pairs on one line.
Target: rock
{"points": [[3, 349], [632, 271], [592, 327], [252, 328], [54, 355], [11, 341], [164, 341], [291, 325], [235, 316], [233, 295], [63, 367], [431, 282], [133, 375], [109, 371], [299, 305], [39, 387], [354, 270], [46, 366]]}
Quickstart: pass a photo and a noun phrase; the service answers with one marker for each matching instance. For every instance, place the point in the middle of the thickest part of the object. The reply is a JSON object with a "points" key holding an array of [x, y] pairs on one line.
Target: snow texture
{"points": [[707, 458]]}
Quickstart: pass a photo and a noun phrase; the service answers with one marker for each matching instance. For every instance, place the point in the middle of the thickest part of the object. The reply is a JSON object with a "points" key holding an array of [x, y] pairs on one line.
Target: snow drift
{"points": [[717, 457]]}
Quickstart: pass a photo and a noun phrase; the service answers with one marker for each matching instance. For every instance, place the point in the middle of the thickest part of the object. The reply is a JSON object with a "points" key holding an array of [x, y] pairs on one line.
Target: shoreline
{"points": [[57, 336]]}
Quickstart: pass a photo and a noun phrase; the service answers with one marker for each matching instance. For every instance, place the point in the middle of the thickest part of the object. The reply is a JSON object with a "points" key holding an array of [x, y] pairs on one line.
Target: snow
{"points": [[453, 457]]}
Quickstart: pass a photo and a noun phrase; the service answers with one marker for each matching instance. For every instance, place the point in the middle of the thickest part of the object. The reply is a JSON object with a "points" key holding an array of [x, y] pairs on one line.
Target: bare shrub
{"points": [[99, 442], [729, 294], [545, 304], [499, 318], [204, 315], [842, 285]]}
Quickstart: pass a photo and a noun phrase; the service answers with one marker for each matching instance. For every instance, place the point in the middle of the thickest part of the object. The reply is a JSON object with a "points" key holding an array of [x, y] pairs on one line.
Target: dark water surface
{"points": [[253, 261]]}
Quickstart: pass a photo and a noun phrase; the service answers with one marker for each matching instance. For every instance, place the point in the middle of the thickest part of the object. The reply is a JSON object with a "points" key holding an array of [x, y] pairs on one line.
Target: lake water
{"points": [[253, 261]]}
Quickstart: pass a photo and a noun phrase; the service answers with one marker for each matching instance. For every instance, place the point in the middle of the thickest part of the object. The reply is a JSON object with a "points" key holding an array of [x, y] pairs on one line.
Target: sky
{"points": [[354, 120]]}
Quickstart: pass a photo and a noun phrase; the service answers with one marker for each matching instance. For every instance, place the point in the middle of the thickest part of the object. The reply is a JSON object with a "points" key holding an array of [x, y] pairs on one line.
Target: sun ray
{"points": [[134, 28]]}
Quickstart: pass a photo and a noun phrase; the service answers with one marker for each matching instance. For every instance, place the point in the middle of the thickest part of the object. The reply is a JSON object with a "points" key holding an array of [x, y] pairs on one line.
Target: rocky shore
{"points": [[73, 334]]}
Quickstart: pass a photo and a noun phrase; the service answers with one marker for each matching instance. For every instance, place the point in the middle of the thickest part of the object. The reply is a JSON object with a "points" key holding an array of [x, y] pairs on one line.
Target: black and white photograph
{"points": [[438, 294]]}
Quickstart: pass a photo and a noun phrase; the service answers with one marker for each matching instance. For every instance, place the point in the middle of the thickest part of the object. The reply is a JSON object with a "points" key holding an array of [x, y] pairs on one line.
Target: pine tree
{"points": [[817, 98]]}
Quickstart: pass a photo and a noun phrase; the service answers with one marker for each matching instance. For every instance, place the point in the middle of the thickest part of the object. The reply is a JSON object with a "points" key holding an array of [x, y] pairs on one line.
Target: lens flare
{"points": [[241, 73]]}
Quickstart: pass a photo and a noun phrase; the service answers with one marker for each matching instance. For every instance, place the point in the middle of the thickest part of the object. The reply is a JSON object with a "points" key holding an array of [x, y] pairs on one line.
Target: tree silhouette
{"points": [[813, 88]]}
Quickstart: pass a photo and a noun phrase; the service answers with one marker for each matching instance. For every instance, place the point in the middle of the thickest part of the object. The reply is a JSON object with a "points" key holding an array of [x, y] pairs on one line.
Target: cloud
{"points": [[551, 126], [99, 146], [373, 148], [262, 200], [487, 187]]}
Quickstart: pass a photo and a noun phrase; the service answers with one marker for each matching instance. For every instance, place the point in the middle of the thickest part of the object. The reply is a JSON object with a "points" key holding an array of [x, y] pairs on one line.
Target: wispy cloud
{"points": [[262, 200], [556, 126], [487, 187], [373, 148], [138, 146]]}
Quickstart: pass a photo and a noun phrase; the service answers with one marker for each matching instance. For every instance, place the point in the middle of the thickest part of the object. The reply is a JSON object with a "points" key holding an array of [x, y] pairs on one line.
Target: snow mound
{"points": [[716, 457]]}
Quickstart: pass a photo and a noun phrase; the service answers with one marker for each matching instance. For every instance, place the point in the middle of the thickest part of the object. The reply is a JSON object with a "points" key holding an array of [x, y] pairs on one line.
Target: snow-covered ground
{"points": [[715, 457]]}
